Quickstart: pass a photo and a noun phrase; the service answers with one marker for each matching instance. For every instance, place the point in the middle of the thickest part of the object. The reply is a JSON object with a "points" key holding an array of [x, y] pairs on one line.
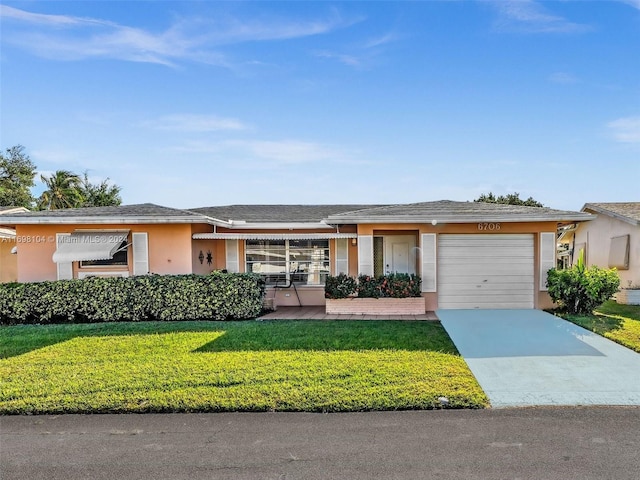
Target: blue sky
{"points": [[189, 104]]}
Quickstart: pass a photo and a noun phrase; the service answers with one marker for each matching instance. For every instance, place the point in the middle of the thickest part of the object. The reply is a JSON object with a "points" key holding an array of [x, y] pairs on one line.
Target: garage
{"points": [[485, 271]]}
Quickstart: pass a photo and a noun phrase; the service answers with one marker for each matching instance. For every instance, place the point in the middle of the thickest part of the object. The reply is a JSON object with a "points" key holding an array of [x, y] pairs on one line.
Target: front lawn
{"points": [[232, 366], [620, 323]]}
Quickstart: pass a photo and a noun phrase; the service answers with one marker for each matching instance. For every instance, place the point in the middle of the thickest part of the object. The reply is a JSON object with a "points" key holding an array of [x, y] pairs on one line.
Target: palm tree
{"points": [[63, 190]]}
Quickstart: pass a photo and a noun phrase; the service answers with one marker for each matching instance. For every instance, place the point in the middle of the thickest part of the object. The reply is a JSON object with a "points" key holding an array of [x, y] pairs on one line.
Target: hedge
{"points": [[396, 285], [217, 296]]}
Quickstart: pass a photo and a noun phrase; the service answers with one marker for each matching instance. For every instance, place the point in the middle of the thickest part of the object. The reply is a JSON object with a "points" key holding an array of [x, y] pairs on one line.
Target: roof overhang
{"points": [[104, 220], [272, 236], [86, 246], [440, 219]]}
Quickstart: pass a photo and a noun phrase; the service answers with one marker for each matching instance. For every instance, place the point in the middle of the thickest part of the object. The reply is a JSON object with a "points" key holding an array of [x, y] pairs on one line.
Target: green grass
{"points": [[232, 366], [620, 323]]}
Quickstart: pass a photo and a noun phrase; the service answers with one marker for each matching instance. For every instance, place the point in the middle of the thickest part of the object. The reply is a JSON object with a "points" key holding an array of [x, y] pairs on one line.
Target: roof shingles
{"points": [[445, 210], [627, 210], [459, 211], [276, 213], [138, 210]]}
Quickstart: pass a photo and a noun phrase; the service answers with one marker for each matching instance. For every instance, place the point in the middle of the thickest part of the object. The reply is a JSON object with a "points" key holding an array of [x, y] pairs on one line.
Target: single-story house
{"points": [[612, 239], [470, 255], [8, 259]]}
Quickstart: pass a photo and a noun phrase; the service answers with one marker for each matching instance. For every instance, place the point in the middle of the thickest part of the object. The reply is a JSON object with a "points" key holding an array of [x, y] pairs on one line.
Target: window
{"points": [[378, 256], [120, 258], [281, 261], [619, 253]]}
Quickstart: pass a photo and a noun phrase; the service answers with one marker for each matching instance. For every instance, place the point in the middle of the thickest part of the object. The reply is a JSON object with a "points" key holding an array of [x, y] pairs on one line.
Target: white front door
{"points": [[400, 254]]}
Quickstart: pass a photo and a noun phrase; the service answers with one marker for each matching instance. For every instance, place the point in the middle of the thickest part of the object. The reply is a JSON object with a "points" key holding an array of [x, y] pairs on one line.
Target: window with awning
{"points": [[90, 246]]}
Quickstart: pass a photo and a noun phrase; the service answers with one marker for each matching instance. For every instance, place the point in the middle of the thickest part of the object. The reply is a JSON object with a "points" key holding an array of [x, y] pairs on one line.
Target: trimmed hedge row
{"points": [[217, 296]]}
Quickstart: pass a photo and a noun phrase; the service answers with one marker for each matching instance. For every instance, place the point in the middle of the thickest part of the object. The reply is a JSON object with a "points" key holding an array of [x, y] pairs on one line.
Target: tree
{"points": [[16, 178], [509, 199], [99, 195], [63, 190]]}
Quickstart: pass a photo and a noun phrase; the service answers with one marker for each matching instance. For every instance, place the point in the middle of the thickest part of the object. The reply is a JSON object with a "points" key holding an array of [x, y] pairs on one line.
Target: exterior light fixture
{"points": [[354, 241]]}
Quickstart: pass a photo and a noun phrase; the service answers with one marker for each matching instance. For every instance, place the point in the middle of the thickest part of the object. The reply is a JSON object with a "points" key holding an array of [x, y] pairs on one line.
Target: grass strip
{"points": [[620, 323]]}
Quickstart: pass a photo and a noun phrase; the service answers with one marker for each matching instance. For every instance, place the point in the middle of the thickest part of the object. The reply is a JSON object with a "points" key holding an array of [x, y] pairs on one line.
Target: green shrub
{"points": [[400, 285], [369, 286], [218, 296], [340, 286], [580, 289], [396, 285]]}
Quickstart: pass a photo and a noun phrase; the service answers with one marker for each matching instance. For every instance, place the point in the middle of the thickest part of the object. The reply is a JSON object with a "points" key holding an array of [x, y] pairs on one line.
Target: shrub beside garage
{"points": [[217, 296], [581, 289]]}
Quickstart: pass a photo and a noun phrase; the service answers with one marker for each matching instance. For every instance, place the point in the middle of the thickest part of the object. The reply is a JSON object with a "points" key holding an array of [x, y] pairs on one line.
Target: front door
{"points": [[399, 254]]}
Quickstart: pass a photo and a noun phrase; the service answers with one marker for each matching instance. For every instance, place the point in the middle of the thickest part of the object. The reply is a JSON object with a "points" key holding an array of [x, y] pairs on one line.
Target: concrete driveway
{"points": [[529, 357]]}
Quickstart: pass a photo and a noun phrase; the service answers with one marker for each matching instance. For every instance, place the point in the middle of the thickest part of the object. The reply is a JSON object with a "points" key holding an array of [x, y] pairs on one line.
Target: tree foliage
{"points": [[509, 199], [63, 190], [17, 172], [101, 194]]}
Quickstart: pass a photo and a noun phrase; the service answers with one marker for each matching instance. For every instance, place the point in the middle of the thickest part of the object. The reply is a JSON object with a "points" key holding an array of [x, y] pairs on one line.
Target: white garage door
{"points": [[485, 271]]}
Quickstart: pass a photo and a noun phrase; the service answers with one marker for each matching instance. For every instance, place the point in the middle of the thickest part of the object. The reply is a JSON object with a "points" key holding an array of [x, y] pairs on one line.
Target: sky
{"points": [[201, 103]]}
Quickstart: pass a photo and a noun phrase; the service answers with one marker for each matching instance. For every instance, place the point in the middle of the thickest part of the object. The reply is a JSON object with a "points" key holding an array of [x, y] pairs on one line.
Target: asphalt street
{"points": [[533, 443]]}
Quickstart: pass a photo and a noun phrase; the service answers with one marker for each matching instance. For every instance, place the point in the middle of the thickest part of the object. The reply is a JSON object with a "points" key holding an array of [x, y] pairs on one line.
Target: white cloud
{"points": [[264, 154], [194, 123], [53, 156], [633, 3], [42, 19], [62, 37], [381, 40], [529, 16], [625, 130], [563, 78], [350, 60], [292, 151], [362, 55]]}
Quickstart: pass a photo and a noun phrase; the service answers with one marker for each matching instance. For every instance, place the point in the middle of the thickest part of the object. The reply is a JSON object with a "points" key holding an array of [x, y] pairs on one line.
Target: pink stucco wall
{"points": [[597, 235], [8, 261], [169, 248]]}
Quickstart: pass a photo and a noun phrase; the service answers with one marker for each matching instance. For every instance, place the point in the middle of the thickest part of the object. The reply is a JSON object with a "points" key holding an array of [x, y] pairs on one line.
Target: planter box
{"points": [[376, 306], [628, 297]]}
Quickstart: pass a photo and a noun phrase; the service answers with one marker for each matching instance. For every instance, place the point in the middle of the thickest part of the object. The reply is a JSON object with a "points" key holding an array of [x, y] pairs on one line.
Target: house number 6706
{"points": [[488, 226]]}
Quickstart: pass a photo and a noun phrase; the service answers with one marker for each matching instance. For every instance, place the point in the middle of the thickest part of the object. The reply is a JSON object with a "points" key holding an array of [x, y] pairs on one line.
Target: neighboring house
{"points": [[612, 239], [470, 255], [8, 259]]}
